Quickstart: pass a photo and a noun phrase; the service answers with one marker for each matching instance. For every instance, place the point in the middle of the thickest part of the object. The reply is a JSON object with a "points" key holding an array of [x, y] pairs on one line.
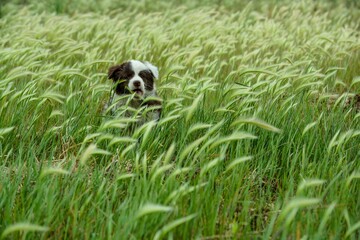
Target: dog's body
{"points": [[135, 88]]}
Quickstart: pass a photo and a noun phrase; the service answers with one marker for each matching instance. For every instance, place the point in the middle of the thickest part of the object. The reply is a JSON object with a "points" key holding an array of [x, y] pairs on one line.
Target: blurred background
{"points": [[108, 6]]}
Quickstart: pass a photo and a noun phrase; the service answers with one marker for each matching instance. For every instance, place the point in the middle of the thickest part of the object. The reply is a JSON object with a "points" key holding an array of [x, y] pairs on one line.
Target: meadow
{"points": [[259, 136]]}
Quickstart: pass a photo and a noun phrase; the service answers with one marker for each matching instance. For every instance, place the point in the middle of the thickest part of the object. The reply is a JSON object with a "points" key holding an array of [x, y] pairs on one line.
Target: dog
{"points": [[134, 89]]}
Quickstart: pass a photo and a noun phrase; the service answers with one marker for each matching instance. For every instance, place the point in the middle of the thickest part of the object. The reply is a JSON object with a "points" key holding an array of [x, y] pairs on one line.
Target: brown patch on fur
{"points": [[153, 103], [121, 74], [148, 78], [356, 102]]}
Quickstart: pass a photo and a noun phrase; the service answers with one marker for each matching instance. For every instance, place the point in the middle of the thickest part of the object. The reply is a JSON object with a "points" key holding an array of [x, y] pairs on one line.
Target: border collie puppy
{"points": [[134, 88]]}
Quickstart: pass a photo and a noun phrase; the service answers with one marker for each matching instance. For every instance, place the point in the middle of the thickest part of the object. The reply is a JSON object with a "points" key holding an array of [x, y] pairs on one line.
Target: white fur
{"points": [[137, 67], [123, 102], [153, 69]]}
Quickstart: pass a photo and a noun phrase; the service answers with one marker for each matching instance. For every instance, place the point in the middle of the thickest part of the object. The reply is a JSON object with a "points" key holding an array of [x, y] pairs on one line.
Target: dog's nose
{"points": [[137, 83]]}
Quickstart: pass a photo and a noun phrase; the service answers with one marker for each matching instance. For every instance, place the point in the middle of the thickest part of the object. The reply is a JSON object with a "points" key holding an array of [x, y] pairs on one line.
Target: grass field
{"points": [[259, 136]]}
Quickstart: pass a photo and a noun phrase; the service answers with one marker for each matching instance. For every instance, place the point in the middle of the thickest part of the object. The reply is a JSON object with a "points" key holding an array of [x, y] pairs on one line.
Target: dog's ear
{"points": [[115, 72], [154, 70]]}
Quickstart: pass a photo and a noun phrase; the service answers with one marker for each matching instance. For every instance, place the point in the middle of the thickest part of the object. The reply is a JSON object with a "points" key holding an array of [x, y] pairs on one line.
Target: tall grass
{"points": [[249, 144]]}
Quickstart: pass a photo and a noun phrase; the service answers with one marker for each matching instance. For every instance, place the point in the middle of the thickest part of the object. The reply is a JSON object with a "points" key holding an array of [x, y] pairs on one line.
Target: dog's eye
{"points": [[147, 76], [127, 75]]}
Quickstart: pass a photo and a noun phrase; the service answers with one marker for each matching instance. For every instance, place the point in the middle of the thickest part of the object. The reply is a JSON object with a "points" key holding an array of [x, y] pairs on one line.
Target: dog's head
{"points": [[134, 77]]}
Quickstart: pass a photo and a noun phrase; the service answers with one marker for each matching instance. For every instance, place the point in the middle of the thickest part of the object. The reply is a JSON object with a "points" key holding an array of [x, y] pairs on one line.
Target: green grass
{"points": [[250, 144]]}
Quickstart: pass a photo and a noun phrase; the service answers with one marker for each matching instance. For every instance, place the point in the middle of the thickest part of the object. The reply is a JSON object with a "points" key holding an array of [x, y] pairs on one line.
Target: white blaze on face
{"points": [[136, 83]]}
